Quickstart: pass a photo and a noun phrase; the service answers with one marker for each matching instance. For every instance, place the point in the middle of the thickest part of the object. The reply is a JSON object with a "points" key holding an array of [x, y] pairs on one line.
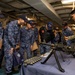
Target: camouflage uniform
{"points": [[35, 34], [68, 32], [27, 39], [1, 31], [1, 50], [35, 40], [11, 39]]}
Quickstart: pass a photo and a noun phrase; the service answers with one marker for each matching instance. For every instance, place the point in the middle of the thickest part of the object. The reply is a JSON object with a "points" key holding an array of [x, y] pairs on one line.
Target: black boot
{"points": [[19, 67], [14, 71], [0, 66]]}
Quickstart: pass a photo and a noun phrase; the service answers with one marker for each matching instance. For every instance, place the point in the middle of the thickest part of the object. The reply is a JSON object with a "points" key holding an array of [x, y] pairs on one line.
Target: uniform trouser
{"points": [[44, 48], [1, 56], [8, 61], [27, 50]]}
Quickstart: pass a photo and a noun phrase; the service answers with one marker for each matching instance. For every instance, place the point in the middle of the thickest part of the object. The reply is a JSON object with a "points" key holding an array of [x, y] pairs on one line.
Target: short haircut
{"points": [[72, 12]]}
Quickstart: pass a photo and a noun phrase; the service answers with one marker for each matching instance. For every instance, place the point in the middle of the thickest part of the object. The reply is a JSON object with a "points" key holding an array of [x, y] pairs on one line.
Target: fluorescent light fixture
{"points": [[73, 28], [73, 25], [29, 18], [67, 1]]}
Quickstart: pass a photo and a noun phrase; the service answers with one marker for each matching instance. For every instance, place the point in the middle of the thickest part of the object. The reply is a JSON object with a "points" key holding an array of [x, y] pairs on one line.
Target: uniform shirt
{"points": [[12, 34], [67, 32], [27, 36], [56, 39], [35, 34]]}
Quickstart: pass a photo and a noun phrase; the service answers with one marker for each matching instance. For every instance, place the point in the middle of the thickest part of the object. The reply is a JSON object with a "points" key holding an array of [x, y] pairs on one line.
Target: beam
{"points": [[45, 8], [4, 5], [64, 13]]}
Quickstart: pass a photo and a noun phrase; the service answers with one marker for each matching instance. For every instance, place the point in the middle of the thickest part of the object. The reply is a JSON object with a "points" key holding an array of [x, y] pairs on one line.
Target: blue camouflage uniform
{"points": [[27, 39], [68, 32], [1, 50], [35, 34], [1, 31], [11, 39], [35, 40]]}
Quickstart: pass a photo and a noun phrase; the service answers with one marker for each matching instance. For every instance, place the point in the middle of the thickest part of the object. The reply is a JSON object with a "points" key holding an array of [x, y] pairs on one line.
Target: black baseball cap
{"points": [[23, 17], [31, 22], [2, 16]]}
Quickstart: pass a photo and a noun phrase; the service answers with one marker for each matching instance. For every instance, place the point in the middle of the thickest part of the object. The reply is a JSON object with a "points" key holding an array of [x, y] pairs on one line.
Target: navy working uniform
{"points": [[35, 29], [1, 30], [27, 39], [48, 37], [1, 49], [11, 39], [36, 34], [68, 32]]}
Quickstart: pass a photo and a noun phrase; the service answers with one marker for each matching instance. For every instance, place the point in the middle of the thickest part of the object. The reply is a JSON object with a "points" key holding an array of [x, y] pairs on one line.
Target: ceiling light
{"points": [[73, 28], [67, 1], [29, 18], [73, 24]]}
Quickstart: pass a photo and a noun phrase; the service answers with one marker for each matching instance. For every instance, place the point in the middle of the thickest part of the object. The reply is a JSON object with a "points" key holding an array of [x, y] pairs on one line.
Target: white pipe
{"points": [[67, 1], [62, 7], [73, 5]]}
